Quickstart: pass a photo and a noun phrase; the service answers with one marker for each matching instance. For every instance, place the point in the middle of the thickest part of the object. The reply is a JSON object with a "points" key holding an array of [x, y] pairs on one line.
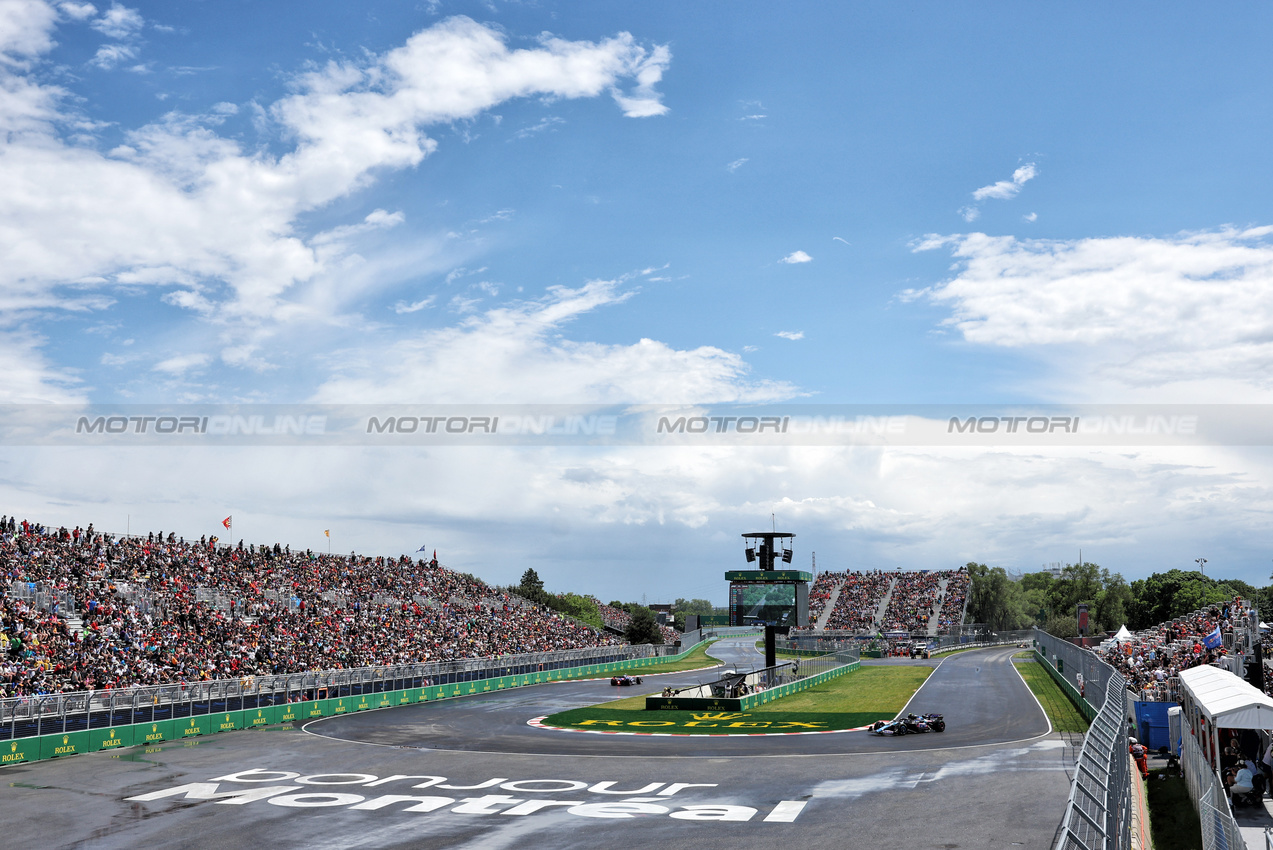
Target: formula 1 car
{"points": [[625, 680], [911, 724]]}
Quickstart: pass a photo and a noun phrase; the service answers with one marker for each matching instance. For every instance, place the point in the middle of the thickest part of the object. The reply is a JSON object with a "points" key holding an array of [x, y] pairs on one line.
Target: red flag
{"points": [[226, 521]]}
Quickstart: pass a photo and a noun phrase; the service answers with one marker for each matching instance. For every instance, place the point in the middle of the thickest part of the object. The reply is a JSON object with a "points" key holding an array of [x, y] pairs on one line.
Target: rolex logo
{"points": [[66, 739], [721, 715]]}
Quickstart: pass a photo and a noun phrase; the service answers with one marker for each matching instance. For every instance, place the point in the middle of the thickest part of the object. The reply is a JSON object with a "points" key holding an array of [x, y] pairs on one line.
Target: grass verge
{"points": [[1173, 822], [1064, 715], [845, 702]]}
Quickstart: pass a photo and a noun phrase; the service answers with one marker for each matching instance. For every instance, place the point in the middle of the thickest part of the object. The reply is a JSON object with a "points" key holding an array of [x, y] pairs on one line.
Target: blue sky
{"points": [[645, 202]]}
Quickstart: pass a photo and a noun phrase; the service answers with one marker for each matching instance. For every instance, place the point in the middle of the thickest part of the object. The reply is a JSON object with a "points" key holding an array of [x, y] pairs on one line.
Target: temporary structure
{"points": [[1219, 698], [1122, 634]]}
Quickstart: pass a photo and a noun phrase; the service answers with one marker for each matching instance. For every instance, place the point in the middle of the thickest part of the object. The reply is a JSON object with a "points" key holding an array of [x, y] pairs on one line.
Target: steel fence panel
{"points": [[22, 717], [1098, 812]]}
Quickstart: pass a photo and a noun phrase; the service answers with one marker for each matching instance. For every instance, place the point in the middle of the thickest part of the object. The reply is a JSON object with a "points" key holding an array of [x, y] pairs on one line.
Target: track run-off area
{"points": [[475, 772]]}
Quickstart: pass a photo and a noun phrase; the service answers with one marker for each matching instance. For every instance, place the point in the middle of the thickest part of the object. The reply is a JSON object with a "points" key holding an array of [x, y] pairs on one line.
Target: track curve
{"points": [[985, 701]]}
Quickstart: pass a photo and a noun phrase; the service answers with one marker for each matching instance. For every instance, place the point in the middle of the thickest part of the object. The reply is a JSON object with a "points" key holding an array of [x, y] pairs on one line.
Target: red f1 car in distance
{"points": [[625, 680], [911, 724]]}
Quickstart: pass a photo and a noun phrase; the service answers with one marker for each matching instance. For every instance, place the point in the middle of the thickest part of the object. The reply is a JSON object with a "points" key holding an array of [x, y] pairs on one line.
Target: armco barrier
{"points": [[197, 724]]}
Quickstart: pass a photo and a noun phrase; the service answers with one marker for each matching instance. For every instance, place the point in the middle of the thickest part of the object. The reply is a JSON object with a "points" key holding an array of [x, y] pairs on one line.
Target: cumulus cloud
{"points": [[791, 335], [642, 101], [119, 22], [516, 353], [179, 203], [796, 257], [77, 11], [26, 31], [1149, 311]]}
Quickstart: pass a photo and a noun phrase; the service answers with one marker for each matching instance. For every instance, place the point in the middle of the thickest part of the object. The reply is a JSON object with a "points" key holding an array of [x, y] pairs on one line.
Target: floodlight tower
{"points": [[766, 547]]}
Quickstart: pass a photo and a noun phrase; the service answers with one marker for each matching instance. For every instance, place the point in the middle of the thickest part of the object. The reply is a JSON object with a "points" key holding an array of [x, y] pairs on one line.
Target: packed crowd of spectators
{"points": [[952, 605], [159, 609], [911, 604], [1151, 660], [820, 593], [859, 600]]}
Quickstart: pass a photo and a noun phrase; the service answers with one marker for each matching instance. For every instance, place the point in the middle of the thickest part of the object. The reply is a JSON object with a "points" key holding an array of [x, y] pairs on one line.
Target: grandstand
{"points": [[88, 610], [926, 602]]}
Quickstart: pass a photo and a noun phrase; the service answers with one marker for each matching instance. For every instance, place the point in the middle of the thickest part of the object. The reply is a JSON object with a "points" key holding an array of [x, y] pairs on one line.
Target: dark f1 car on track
{"points": [[625, 680], [911, 724]]}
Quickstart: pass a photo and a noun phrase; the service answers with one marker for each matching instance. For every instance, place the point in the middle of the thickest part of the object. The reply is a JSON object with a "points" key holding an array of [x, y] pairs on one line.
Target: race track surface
{"points": [[470, 773], [984, 701]]}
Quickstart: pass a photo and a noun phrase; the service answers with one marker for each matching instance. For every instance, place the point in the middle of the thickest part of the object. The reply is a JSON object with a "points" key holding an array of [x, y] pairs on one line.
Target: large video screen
{"points": [[762, 604]]}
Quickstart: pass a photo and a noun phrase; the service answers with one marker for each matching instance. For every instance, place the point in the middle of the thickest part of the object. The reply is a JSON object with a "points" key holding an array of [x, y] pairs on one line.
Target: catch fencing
{"points": [[1098, 814], [1219, 829], [1080, 673], [81, 711]]}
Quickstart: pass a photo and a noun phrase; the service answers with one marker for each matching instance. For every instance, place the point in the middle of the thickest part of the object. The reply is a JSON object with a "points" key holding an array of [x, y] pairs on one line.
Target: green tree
{"points": [[532, 587], [643, 628], [1113, 602], [994, 599], [1062, 627], [1164, 596]]}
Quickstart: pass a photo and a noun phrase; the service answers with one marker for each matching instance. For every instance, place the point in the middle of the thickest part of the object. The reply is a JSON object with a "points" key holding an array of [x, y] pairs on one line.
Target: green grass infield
{"points": [[1061, 711], [845, 702], [708, 722]]}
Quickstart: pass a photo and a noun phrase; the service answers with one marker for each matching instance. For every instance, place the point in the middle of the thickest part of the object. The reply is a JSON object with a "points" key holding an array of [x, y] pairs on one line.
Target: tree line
{"points": [[642, 627], [1051, 602]]}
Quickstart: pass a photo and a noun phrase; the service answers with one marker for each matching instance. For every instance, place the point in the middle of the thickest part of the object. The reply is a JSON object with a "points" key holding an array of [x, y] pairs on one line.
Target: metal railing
{"points": [[771, 677], [1073, 662], [1219, 829], [24, 717], [44, 596], [1098, 812]]}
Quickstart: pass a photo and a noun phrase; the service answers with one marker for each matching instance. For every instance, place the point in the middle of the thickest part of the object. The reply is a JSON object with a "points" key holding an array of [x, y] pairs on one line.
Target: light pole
{"points": [[1202, 565]]}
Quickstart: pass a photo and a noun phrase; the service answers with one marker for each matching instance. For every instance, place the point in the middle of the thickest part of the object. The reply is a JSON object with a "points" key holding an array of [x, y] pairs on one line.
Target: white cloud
{"points": [[792, 335], [1031, 216], [1007, 189], [110, 55], [77, 11], [515, 353], [969, 213], [796, 257], [403, 307], [544, 124], [736, 164], [643, 101], [26, 31], [119, 22], [177, 203], [182, 363], [1141, 311]]}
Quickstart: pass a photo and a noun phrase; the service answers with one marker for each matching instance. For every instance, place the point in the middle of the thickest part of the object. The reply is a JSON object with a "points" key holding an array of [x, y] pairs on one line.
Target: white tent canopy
{"points": [[1226, 700], [1123, 634]]}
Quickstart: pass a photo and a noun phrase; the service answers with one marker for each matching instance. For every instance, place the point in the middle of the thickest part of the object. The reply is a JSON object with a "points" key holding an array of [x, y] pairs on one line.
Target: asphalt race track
{"points": [[470, 772]]}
